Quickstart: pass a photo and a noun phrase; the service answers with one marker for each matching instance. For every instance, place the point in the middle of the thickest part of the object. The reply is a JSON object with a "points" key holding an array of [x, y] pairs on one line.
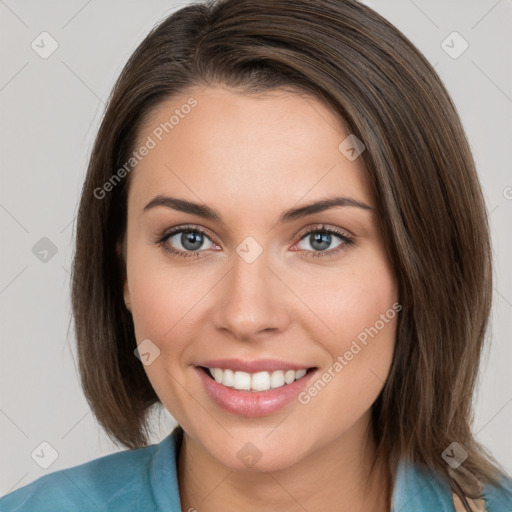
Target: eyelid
{"points": [[325, 227], [166, 233], [345, 235]]}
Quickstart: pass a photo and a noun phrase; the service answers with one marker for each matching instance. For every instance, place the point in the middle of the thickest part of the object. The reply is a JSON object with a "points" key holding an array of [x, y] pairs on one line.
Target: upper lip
{"points": [[257, 365]]}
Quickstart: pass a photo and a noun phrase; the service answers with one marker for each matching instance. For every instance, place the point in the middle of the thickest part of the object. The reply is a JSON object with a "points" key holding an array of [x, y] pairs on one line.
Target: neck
{"points": [[334, 477]]}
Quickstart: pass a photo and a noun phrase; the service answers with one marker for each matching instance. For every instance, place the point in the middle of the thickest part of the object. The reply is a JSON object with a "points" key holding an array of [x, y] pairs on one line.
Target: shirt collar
{"points": [[415, 489], [164, 473]]}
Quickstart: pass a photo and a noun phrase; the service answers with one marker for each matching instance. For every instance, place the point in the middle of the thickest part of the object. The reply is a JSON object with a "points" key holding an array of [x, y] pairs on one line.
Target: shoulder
{"points": [[120, 481], [419, 490], [499, 498]]}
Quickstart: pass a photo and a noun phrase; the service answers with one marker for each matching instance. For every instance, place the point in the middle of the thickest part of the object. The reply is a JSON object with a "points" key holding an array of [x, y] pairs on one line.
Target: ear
{"points": [[127, 298], [121, 253]]}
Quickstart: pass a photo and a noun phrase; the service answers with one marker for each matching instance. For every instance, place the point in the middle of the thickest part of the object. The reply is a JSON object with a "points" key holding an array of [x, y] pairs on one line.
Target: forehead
{"points": [[255, 147]]}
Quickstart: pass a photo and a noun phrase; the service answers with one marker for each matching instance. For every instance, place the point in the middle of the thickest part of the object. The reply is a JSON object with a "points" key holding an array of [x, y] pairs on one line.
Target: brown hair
{"points": [[429, 200]]}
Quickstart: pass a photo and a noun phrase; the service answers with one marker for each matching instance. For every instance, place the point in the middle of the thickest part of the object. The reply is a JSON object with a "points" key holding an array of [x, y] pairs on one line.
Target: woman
{"points": [[282, 240]]}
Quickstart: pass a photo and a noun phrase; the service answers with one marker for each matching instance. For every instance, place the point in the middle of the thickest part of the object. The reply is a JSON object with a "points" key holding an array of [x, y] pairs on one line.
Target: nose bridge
{"points": [[252, 300]]}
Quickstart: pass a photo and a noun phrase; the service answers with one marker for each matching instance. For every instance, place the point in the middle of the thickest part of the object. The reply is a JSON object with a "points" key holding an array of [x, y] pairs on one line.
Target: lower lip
{"points": [[249, 403]]}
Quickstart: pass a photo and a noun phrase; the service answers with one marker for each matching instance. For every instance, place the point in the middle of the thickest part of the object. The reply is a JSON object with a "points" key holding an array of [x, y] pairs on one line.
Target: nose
{"points": [[252, 302]]}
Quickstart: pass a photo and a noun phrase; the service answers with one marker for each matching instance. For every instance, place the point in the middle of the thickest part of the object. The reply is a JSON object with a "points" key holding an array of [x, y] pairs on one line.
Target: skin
{"points": [[251, 157]]}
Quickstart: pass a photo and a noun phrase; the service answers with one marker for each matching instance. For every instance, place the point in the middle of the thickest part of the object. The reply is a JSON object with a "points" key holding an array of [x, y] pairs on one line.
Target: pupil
{"points": [[191, 240], [321, 238]]}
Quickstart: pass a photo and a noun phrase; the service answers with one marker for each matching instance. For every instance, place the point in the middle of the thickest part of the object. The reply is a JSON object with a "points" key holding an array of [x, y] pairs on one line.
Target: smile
{"points": [[256, 382], [253, 388]]}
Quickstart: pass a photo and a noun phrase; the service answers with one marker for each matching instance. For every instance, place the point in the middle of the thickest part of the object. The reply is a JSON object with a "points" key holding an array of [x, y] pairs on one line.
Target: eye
{"points": [[189, 241], [185, 241], [319, 239]]}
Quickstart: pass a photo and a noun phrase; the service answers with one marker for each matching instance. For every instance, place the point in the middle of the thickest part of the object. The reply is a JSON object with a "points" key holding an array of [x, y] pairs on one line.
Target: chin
{"points": [[257, 455]]}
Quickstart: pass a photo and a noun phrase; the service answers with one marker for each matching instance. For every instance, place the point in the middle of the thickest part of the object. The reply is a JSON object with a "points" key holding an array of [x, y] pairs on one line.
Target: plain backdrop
{"points": [[50, 111]]}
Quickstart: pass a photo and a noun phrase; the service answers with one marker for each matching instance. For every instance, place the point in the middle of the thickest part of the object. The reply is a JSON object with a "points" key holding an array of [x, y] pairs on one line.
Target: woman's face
{"points": [[268, 292]]}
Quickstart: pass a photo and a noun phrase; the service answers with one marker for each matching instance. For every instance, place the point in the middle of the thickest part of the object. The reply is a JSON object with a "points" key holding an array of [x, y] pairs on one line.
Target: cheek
{"points": [[163, 297], [166, 300], [163, 311], [348, 302], [364, 308], [363, 312], [360, 308]]}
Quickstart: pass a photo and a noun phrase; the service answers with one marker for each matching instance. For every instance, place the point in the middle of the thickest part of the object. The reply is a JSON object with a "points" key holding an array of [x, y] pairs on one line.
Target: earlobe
{"points": [[120, 249], [127, 299]]}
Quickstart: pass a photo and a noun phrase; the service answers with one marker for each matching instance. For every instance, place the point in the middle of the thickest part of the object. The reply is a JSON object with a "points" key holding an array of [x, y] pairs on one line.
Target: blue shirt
{"points": [[146, 480]]}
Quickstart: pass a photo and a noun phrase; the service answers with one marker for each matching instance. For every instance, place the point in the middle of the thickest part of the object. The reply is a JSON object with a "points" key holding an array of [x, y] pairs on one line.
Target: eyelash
{"points": [[163, 237]]}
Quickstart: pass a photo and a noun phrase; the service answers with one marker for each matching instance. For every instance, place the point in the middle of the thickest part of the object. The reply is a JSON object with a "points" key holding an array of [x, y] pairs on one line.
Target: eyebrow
{"points": [[290, 215]]}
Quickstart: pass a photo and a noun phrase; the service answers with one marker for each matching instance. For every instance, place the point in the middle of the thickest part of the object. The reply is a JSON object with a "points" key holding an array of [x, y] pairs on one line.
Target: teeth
{"points": [[228, 378], [261, 381]]}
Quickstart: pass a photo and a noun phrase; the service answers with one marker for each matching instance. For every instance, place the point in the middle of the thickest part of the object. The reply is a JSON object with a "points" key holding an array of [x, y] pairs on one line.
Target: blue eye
{"points": [[189, 240], [321, 237], [192, 240], [320, 240]]}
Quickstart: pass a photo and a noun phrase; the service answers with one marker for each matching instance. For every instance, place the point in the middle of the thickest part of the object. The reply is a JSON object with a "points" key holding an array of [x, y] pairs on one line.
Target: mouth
{"points": [[253, 388], [255, 382]]}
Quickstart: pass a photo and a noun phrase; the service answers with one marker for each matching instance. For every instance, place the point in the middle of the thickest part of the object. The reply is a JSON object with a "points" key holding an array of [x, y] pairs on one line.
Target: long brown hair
{"points": [[428, 196]]}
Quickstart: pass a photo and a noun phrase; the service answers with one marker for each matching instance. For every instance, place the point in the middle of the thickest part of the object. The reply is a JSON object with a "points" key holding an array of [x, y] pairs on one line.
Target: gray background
{"points": [[50, 111]]}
